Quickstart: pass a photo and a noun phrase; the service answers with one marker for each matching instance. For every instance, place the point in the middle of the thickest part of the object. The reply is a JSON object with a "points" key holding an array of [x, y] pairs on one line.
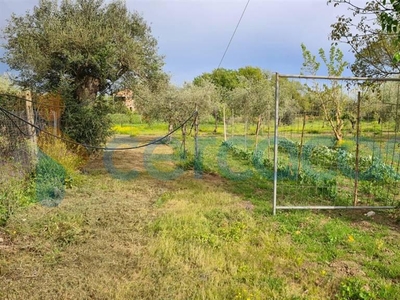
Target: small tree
{"points": [[253, 99], [371, 29], [175, 105], [330, 97]]}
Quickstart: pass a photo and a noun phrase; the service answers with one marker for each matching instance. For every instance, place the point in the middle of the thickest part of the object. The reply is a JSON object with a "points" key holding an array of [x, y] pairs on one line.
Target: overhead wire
{"points": [[8, 113], [51, 105], [233, 35]]}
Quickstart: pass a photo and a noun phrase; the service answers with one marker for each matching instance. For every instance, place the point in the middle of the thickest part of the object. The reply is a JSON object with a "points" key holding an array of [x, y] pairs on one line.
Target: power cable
{"points": [[234, 32], [95, 147]]}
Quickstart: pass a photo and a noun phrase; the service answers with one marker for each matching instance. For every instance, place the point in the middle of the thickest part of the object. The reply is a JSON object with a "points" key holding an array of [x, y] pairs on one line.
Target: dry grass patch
{"points": [[85, 248]]}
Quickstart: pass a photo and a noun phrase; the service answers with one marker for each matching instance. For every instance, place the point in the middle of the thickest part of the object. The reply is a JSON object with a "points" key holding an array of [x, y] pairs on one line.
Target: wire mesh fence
{"points": [[21, 121], [15, 134], [338, 145], [335, 143]]}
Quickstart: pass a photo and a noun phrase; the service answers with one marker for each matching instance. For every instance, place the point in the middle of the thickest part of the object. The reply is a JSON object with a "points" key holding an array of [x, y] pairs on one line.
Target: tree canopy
{"points": [[222, 78], [82, 49], [86, 45], [372, 32], [329, 96], [7, 86]]}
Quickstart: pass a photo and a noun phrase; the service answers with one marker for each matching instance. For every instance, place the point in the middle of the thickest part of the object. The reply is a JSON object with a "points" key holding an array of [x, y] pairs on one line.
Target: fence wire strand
{"points": [[324, 173], [9, 113]]}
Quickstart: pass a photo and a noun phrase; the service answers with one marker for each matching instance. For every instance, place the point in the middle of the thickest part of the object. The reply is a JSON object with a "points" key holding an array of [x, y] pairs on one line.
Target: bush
{"points": [[50, 180], [288, 117], [15, 190], [120, 119], [88, 124], [70, 159], [354, 289], [56, 169]]}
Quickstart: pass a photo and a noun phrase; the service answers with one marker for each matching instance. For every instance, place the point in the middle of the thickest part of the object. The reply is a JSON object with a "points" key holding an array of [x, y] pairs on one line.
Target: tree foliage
{"points": [[174, 105], [81, 48], [329, 96], [252, 99], [7, 86], [85, 43], [249, 92], [222, 78], [291, 101], [225, 81], [372, 32], [381, 102], [252, 74]]}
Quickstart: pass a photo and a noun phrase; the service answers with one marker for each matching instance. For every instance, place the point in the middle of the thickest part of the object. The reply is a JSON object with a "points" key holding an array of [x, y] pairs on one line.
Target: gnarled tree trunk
{"points": [[87, 89]]}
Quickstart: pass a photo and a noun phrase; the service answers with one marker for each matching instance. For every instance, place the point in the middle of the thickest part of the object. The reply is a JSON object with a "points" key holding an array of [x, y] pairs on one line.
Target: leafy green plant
{"points": [[120, 118], [354, 289], [87, 124], [14, 194], [49, 179]]}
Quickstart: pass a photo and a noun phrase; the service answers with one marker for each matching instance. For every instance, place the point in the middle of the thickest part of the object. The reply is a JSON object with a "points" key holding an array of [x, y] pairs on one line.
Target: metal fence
{"points": [[337, 146]]}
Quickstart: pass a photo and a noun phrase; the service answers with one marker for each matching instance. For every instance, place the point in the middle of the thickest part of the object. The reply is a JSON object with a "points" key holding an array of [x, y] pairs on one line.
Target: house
{"points": [[126, 96]]}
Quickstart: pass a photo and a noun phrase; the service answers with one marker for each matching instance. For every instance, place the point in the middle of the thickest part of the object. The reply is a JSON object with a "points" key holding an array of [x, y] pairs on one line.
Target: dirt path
{"points": [[89, 246]]}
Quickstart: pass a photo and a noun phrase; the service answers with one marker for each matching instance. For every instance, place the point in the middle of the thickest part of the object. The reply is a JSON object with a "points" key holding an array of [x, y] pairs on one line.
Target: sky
{"points": [[193, 34]]}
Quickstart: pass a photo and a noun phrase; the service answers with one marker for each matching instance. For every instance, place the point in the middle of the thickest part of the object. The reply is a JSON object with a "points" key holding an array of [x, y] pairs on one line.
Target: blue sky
{"points": [[193, 34]]}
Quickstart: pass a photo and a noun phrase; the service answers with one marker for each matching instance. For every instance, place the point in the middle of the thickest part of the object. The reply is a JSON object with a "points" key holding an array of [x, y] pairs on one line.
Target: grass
{"points": [[142, 129], [15, 192], [190, 239], [145, 237]]}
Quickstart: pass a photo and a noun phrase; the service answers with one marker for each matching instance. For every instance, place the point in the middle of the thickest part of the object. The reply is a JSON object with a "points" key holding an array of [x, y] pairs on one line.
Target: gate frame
{"points": [[276, 126]]}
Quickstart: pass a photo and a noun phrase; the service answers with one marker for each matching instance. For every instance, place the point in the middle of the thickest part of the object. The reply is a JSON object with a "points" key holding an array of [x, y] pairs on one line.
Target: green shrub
{"points": [[119, 118], [50, 179], [354, 289], [88, 124], [15, 192]]}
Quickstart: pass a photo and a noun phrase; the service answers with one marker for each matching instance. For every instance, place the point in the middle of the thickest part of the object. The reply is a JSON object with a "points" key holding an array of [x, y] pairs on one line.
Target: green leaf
{"points": [[396, 58]]}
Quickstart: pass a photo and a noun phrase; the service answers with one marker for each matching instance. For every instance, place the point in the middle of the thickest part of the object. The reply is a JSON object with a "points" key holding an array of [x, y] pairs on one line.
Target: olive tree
{"points": [[175, 105], [81, 48]]}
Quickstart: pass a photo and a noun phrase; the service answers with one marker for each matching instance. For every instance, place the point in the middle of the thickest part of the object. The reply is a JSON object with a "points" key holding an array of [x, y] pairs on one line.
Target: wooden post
{"points": [[55, 123], [224, 122], [197, 153], [245, 134], [183, 129], [301, 145], [233, 122], [31, 130], [196, 134]]}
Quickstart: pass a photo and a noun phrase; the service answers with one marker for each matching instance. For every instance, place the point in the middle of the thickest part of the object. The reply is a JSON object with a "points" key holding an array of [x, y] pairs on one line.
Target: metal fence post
{"points": [[276, 141], [357, 150]]}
